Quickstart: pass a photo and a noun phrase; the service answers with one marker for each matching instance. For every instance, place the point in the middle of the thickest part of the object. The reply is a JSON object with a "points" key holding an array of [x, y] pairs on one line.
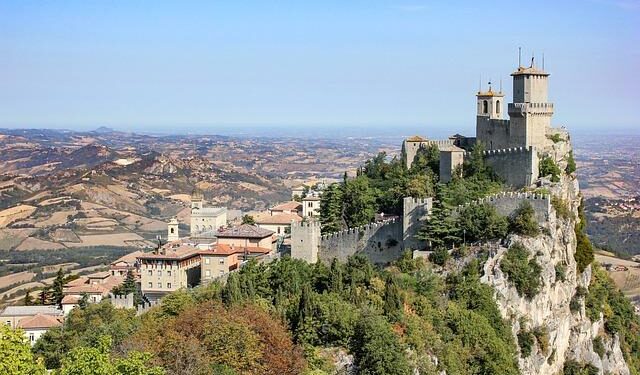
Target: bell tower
{"points": [[172, 230], [490, 104]]}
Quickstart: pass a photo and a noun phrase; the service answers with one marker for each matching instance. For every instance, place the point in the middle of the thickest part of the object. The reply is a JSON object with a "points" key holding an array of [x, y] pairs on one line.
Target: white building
{"points": [[311, 205], [34, 320], [205, 219]]}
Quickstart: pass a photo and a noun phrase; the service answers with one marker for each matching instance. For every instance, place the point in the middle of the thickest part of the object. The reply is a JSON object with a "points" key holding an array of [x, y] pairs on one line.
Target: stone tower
{"points": [[530, 112], [414, 211], [172, 230], [305, 241], [490, 104], [196, 200]]}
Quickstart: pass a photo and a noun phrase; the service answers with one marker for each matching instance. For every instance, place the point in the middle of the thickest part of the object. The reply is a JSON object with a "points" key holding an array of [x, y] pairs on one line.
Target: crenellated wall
{"points": [[381, 242], [518, 166], [507, 202], [410, 148], [414, 211]]}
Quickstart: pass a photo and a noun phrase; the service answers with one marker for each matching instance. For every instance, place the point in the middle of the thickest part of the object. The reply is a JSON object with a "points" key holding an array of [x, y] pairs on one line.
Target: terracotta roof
{"points": [[99, 275], [129, 258], [244, 231], [287, 206], [182, 252], [224, 249], [39, 321], [282, 219], [70, 300], [87, 288], [416, 138], [79, 281], [489, 93]]}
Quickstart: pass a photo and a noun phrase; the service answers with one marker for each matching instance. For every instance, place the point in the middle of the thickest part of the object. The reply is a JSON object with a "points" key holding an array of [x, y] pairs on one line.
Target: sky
{"points": [[202, 66]]}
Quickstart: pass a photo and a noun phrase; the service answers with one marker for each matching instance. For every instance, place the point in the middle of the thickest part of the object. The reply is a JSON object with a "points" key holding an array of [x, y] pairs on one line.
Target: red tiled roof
{"points": [[281, 219], [287, 206], [244, 231], [182, 252], [70, 300], [224, 249], [129, 258], [39, 321]]}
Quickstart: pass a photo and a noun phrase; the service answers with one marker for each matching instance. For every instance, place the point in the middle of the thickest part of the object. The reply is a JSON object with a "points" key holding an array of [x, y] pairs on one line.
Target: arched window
{"points": [[171, 230], [497, 107], [485, 106]]}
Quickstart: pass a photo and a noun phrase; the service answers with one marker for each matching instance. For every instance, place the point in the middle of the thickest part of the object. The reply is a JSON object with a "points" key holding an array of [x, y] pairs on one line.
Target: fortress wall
{"points": [[414, 211], [410, 149], [305, 241], [122, 302], [379, 242], [517, 166], [507, 202], [493, 133]]}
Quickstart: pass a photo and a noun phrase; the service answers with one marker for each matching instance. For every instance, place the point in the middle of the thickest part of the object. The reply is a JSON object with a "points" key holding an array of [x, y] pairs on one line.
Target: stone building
{"points": [[205, 219], [511, 145]]}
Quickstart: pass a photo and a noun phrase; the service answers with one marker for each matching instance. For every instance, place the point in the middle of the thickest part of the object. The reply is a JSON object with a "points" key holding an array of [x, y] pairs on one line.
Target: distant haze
{"points": [[370, 67]]}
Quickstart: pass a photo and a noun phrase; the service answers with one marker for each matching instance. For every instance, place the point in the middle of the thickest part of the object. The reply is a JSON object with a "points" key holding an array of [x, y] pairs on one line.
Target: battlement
{"points": [[363, 228], [303, 224], [507, 202], [511, 150]]}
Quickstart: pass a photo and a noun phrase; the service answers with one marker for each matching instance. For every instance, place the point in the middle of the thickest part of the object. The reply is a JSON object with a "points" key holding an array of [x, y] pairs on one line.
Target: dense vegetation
{"points": [[584, 250], [522, 272], [290, 317], [548, 167]]}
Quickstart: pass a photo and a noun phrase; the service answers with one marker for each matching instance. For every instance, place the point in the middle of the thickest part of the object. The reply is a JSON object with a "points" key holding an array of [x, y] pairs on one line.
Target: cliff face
{"points": [[569, 334]]}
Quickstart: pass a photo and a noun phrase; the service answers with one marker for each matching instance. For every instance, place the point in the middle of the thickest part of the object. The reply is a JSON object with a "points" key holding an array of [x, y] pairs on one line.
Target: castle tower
{"points": [[305, 241], [172, 230], [414, 211], [530, 112]]}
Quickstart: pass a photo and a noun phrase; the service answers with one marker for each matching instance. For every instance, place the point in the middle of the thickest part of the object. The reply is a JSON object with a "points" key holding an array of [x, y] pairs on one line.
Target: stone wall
{"points": [[507, 202], [410, 149], [379, 242], [122, 302], [517, 166], [414, 210], [493, 133]]}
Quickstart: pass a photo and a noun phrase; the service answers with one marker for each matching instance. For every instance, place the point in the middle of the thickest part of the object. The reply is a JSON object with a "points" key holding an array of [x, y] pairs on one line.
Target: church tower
{"points": [[530, 112], [196, 199], [172, 230], [490, 104]]}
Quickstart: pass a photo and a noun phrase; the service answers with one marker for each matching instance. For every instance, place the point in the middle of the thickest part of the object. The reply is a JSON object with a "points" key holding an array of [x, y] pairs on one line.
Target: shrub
{"points": [[555, 138], [571, 164], [523, 220], [549, 167], [598, 346], [542, 338], [572, 367], [525, 341], [561, 207], [439, 256], [584, 250], [523, 273]]}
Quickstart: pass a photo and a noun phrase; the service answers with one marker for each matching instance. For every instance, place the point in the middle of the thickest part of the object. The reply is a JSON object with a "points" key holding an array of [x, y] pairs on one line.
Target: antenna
{"points": [[543, 61], [480, 84], [532, 58], [519, 57], [500, 85]]}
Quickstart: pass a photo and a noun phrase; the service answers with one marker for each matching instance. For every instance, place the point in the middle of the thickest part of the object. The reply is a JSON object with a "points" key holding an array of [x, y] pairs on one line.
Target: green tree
{"points": [[248, 219], [231, 293], [332, 208], [28, 300], [571, 164], [335, 276], [522, 272], [481, 222], [523, 220], [359, 201], [15, 354], [427, 158], [58, 286], [392, 299], [377, 349]]}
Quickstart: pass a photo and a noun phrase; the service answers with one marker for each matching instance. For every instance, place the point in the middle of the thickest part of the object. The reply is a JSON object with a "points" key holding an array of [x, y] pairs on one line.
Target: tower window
{"points": [[171, 230], [485, 107], [497, 107]]}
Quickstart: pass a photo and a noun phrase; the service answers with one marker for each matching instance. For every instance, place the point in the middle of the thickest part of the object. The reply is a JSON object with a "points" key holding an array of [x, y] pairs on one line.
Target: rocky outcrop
{"points": [[569, 335]]}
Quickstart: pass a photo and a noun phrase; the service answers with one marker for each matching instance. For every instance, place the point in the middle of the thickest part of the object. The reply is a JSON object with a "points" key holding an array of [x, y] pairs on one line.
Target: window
{"points": [[207, 273], [171, 230], [278, 230], [497, 107], [8, 322], [169, 285], [485, 106], [168, 273], [150, 273], [160, 285], [32, 337], [159, 273], [150, 285], [207, 260], [221, 261]]}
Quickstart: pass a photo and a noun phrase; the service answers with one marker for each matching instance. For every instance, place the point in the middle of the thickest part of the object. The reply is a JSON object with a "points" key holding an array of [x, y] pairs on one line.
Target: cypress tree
{"points": [[58, 285], [392, 299]]}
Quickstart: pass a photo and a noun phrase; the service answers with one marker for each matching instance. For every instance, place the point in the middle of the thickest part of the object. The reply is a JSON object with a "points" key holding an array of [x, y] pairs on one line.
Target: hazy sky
{"points": [[180, 65]]}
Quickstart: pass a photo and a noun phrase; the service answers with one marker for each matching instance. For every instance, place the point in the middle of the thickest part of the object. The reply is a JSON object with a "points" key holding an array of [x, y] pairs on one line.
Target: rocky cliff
{"points": [[562, 334]]}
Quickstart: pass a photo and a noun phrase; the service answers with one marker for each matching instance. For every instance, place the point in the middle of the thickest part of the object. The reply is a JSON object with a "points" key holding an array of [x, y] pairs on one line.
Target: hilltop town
{"points": [[502, 208]]}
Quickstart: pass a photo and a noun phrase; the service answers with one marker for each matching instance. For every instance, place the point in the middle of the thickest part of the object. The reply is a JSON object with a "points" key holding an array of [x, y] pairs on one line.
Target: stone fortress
{"points": [[513, 148]]}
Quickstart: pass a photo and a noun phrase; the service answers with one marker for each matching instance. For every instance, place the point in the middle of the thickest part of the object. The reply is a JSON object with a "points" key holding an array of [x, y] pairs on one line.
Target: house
{"points": [[311, 205], [291, 207], [168, 270], [246, 235], [125, 264], [280, 223], [222, 259], [37, 325], [297, 192], [12, 315], [96, 287]]}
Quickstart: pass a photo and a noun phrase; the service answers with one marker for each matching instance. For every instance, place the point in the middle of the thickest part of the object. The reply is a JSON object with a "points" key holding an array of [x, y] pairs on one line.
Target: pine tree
{"points": [[392, 299], [331, 208], [335, 276], [44, 296], [359, 202], [58, 286], [232, 293]]}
